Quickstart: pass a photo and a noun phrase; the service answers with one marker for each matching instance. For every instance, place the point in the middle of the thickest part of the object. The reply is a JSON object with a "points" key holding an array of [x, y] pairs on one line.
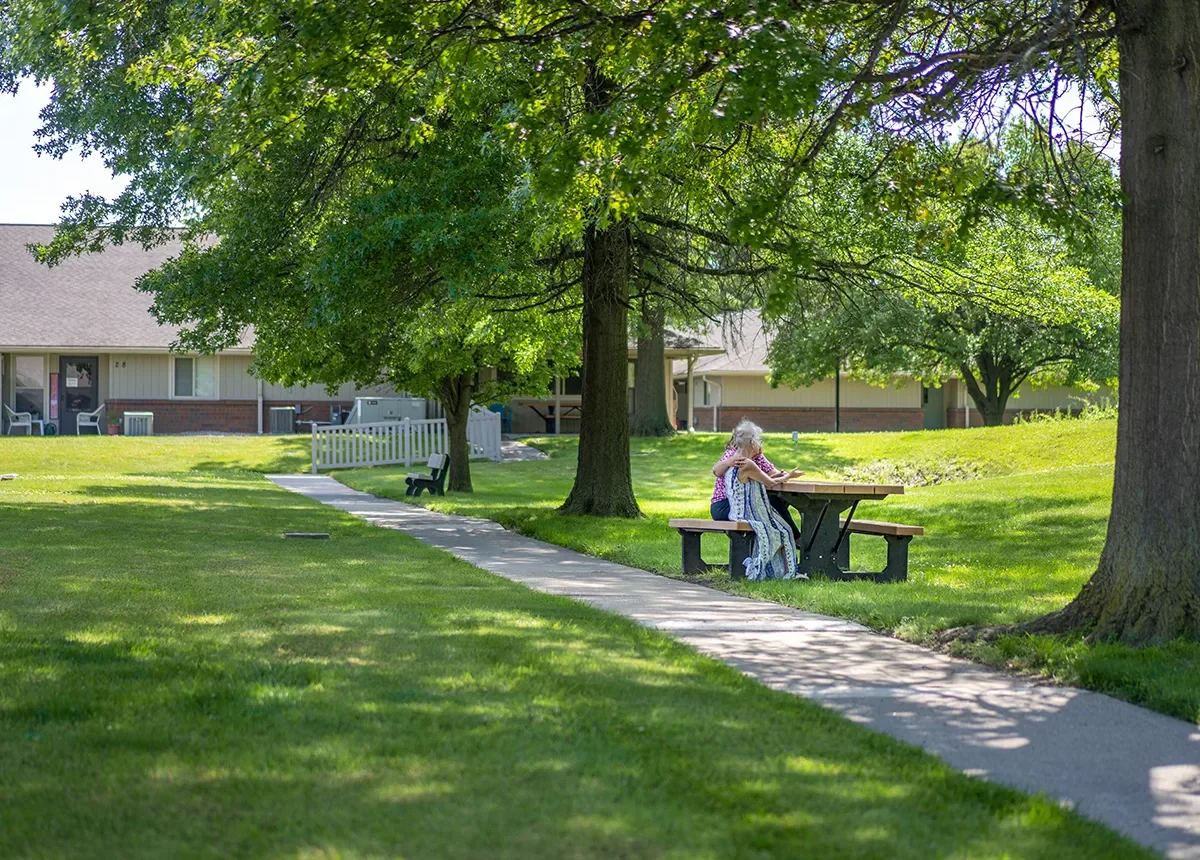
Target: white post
{"points": [[260, 408], [717, 402], [314, 442], [557, 406], [407, 441], [672, 414], [691, 394]]}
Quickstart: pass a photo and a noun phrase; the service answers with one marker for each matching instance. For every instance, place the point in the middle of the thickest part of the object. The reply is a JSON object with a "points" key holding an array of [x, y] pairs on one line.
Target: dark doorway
{"points": [[78, 389]]}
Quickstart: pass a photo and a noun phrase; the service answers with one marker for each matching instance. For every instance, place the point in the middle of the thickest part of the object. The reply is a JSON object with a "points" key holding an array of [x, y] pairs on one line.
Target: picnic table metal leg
{"points": [[844, 535], [897, 558], [741, 544], [842, 555], [819, 534], [816, 529], [820, 549]]}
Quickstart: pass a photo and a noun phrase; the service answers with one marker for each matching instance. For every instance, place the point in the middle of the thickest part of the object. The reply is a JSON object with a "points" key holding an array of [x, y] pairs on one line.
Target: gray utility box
{"points": [[139, 423], [369, 410], [283, 420]]}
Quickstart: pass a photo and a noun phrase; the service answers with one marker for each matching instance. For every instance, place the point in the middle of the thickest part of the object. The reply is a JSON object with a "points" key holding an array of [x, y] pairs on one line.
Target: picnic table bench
{"points": [[897, 535], [741, 543], [824, 543]]}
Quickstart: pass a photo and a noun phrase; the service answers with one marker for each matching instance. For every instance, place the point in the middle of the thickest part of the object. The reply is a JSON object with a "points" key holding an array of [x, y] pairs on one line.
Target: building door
{"points": [[78, 389], [933, 400]]}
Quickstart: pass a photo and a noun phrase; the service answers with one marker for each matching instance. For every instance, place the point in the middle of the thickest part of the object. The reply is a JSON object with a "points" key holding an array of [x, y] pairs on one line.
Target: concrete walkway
{"points": [[1133, 769], [514, 451]]}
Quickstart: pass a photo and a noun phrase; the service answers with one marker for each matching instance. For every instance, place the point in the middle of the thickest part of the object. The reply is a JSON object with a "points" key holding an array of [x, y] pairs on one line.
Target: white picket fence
{"points": [[404, 442]]}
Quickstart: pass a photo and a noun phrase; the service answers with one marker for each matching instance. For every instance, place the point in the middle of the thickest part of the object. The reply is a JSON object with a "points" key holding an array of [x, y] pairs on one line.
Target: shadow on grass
{"points": [[289, 455], [181, 679]]}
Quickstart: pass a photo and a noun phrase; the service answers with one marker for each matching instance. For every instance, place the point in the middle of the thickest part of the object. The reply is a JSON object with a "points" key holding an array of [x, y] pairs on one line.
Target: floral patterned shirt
{"points": [[719, 487]]}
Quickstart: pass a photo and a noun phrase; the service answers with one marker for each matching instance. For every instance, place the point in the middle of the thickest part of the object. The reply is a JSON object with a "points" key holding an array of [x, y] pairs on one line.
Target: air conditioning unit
{"points": [[139, 423], [369, 410], [283, 420]]}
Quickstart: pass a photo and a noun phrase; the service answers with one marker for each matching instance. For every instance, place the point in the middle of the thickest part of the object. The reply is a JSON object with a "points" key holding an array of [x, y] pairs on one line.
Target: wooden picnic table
{"points": [[820, 504]]}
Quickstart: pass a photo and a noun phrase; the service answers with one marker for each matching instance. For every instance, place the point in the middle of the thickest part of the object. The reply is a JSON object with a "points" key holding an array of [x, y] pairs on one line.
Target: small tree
{"points": [[421, 278], [1010, 309], [462, 354], [455, 351]]}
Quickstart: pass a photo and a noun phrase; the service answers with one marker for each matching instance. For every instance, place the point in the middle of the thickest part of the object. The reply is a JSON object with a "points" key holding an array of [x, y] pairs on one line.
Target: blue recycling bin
{"points": [[505, 416]]}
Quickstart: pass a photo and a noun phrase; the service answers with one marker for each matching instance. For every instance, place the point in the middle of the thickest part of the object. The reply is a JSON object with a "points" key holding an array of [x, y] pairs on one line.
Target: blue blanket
{"points": [[774, 555]]}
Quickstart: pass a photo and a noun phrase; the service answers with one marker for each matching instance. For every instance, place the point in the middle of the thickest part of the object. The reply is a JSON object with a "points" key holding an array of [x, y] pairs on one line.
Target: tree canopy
{"points": [[996, 292], [612, 107]]}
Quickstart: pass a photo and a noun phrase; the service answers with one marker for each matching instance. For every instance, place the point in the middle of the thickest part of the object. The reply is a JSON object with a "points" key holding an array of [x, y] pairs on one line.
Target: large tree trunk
{"points": [[650, 414], [603, 486], [1146, 588], [454, 394]]}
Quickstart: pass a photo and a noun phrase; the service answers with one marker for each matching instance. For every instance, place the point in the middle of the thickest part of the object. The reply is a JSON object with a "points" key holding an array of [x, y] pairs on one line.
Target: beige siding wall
{"points": [[906, 395], [148, 377], [139, 377], [236, 381], [755, 391], [1027, 397], [1054, 397], [317, 392]]}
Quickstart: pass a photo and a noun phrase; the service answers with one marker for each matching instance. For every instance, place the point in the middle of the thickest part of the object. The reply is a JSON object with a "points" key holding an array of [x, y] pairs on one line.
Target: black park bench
{"points": [[741, 544], [435, 481]]}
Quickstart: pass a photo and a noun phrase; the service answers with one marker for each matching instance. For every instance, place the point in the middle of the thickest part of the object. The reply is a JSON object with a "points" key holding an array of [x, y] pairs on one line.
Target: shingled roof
{"points": [[86, 302], [745, 348]]}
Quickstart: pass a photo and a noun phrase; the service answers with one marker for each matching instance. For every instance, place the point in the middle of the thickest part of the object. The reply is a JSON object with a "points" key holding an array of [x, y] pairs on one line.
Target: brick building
{"points": [[79, 334]]}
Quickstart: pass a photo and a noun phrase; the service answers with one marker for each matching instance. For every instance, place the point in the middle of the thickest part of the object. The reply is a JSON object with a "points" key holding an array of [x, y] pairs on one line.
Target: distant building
{"points": [[564, 398], [734, 385], [78, 335]]}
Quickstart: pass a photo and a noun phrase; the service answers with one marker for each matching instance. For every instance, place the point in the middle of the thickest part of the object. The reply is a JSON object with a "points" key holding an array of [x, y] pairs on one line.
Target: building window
{"points": [[29, 388], [195, 376], [710, 393]]}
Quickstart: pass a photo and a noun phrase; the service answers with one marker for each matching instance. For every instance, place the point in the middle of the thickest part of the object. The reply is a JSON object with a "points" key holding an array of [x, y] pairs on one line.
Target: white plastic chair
{"points": [[89, 419], [23, 419]]}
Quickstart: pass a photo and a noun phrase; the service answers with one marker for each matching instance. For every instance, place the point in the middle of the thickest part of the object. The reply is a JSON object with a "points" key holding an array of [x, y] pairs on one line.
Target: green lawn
{"points": [[177, 680], [1014, 533]]}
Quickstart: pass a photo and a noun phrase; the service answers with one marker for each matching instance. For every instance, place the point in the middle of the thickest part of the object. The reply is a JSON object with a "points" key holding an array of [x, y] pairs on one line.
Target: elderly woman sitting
{"points": [[747, 436], [743, 476]]}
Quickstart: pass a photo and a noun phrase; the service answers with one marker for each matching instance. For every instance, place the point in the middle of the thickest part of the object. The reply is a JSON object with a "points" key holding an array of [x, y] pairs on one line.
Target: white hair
{"points": [[746, 436]]}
